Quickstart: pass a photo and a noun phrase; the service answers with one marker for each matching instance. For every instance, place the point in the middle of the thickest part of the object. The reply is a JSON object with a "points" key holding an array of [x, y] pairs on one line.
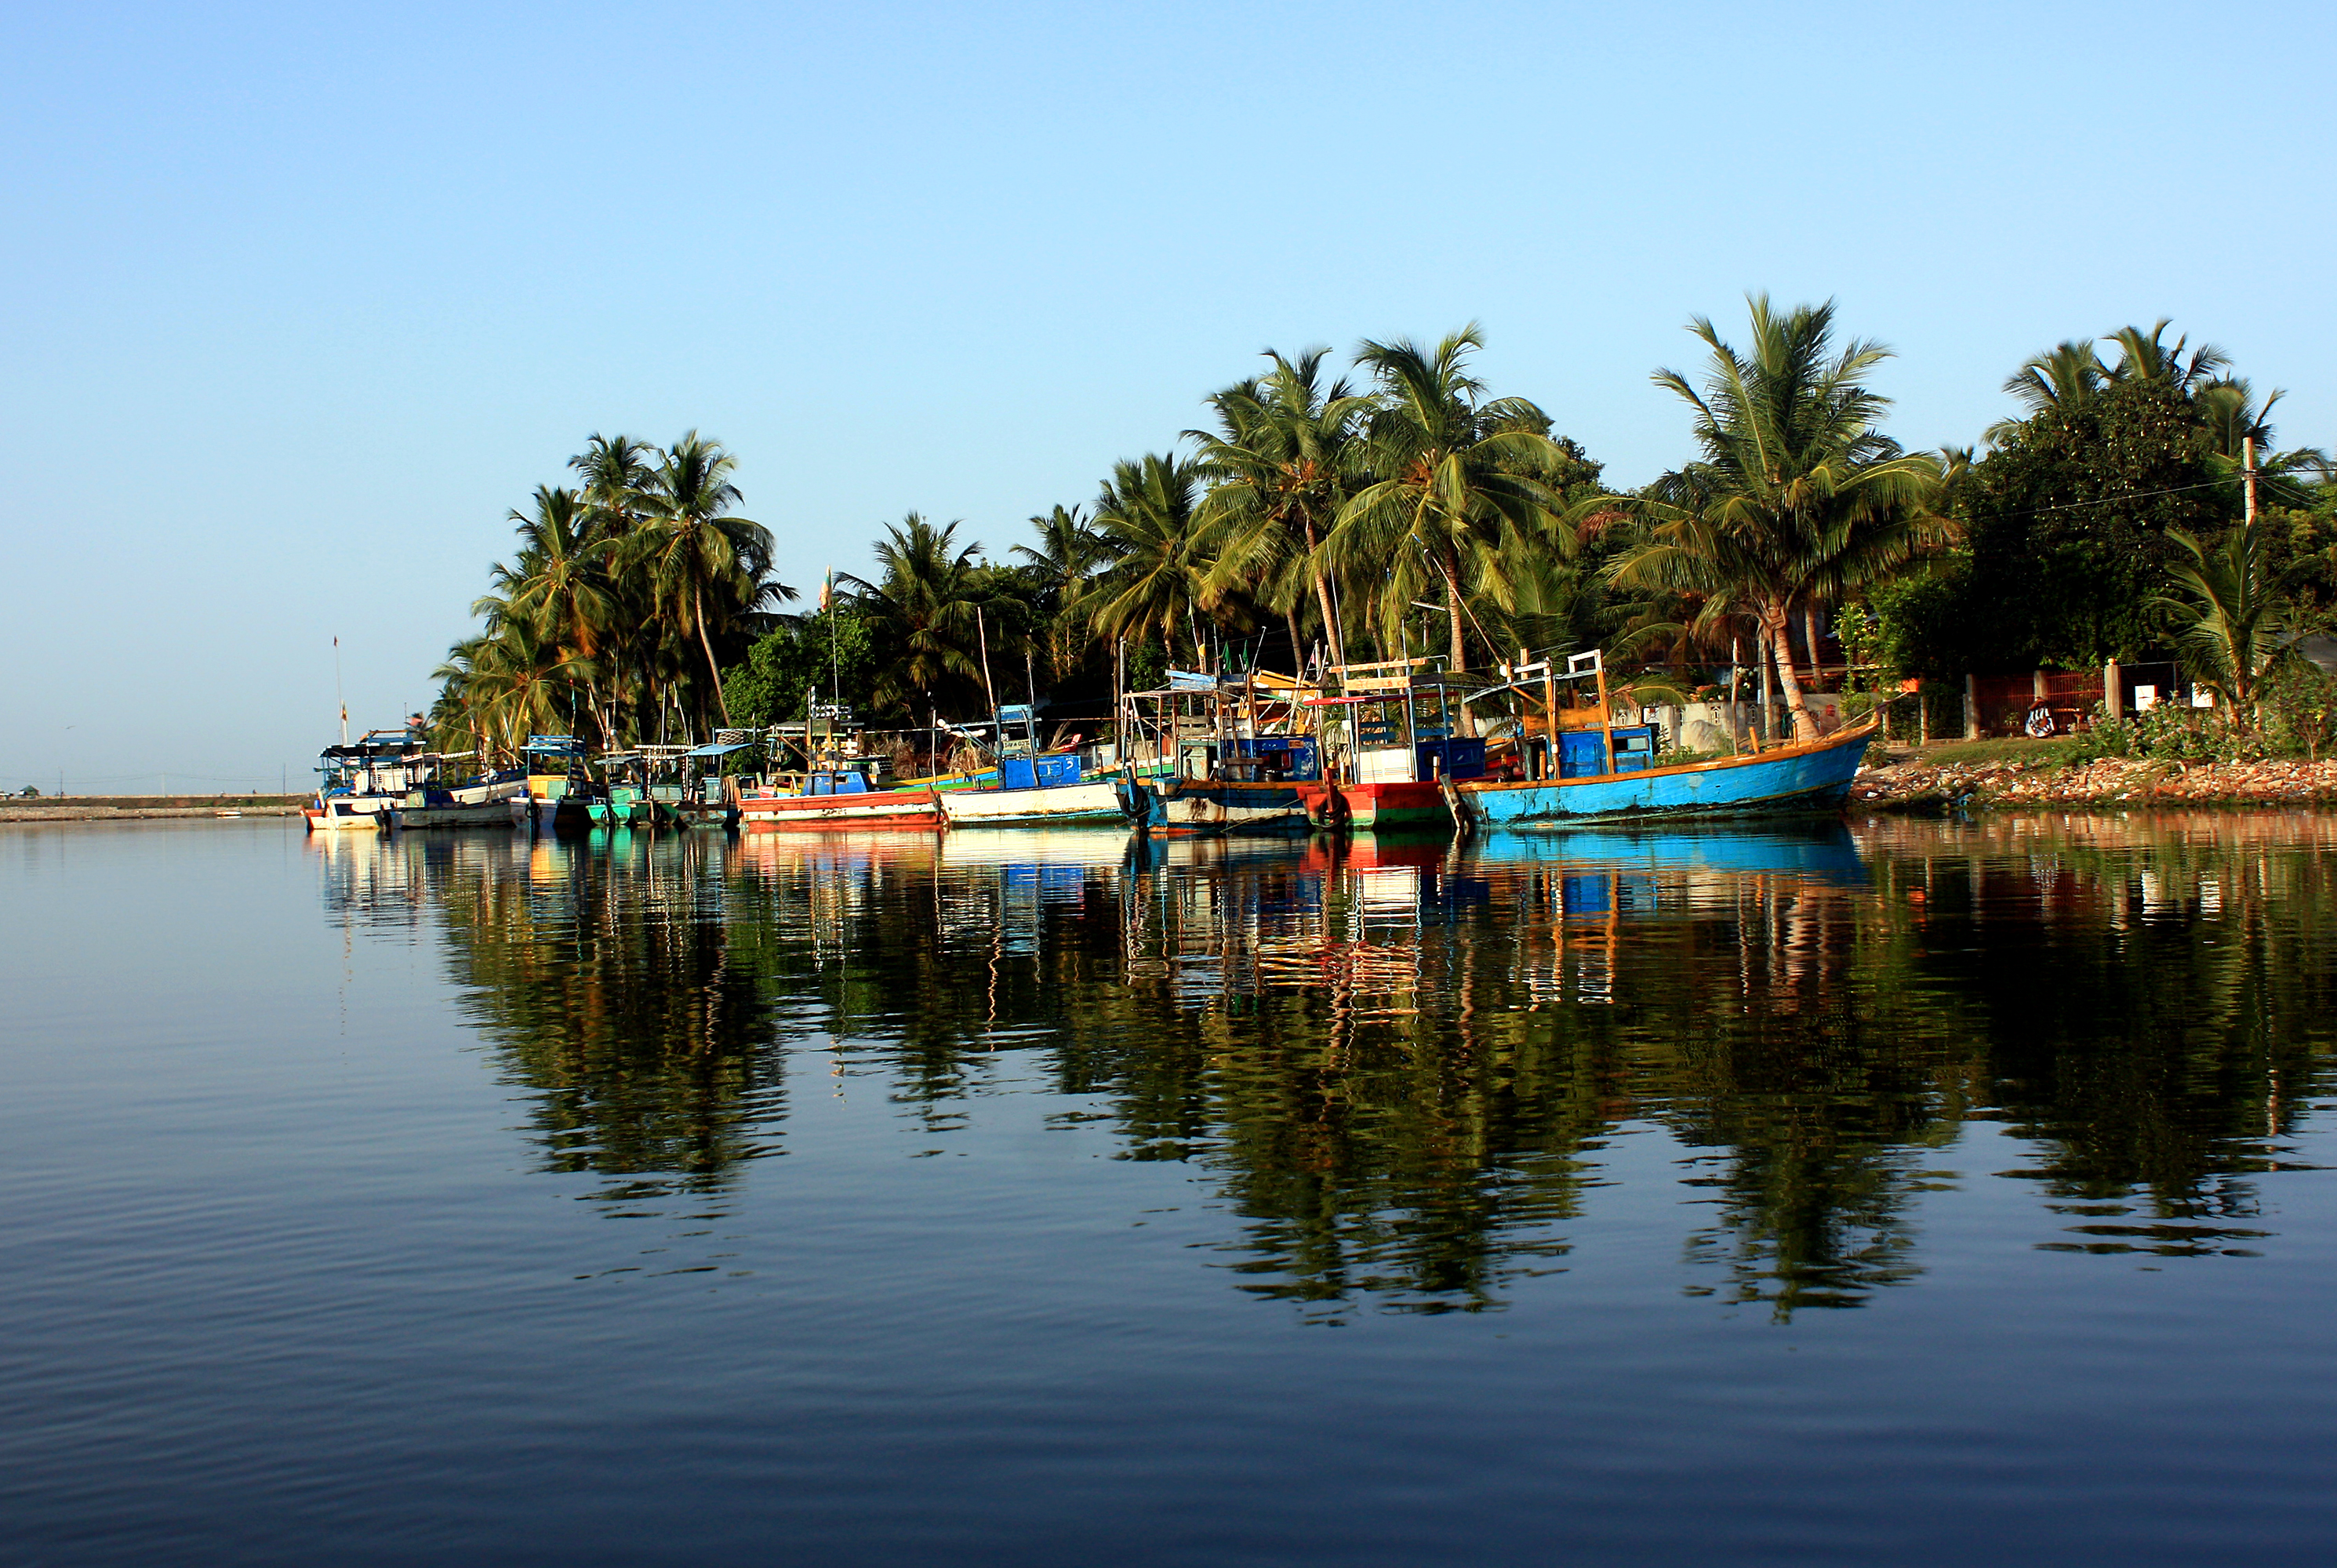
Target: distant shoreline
{"points": [[16, 811]]}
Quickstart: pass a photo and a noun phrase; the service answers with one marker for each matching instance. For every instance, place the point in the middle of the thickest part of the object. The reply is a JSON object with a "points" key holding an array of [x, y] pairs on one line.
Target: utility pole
{"points": [[2248, 474]]}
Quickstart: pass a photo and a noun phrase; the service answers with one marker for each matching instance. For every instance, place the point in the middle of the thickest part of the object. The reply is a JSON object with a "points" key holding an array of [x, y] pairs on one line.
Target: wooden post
{"points": [[2113, 692], [1922, 716], [1550, 758], [1971, 707], [1605, 721]]}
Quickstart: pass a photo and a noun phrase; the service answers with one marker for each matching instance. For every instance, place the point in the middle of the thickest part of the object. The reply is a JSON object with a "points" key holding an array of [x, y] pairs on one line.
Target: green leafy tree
{"points": [[2068, 523], [838, 651]]}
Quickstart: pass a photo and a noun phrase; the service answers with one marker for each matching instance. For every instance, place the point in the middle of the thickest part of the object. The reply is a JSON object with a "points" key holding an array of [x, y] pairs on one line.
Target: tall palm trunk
{"points": [[1776, 624], [713, 670], [1332, 631], [1465, 722]]}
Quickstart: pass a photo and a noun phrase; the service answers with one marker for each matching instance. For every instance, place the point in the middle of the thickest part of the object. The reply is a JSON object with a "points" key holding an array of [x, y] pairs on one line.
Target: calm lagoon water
{"points": [[1929, 1192]]}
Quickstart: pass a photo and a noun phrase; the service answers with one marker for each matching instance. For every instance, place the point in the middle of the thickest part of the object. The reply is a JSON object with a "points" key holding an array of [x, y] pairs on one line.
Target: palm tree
{"points": [[2227, 612], [516, 680], [1459, 484], [706, 569], [2151, 358], [559, 587], [1797, 497], [617, 471], [1147, 512], [925, 598], [1282, 461], [1068, 556], [2065, 377]]}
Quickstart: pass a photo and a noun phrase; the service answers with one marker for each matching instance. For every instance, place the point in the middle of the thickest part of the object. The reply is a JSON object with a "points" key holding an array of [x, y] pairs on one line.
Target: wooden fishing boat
{"points": [[1212, 807], [1401, 744], [483, 801], [559, 793], [366, 780], [1214, 768], [837, 798], [1805, 777], [1582, 768], [625, 800], [1032, 788]]}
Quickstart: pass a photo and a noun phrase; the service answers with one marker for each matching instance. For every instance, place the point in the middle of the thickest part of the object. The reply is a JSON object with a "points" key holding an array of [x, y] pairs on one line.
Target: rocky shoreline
{"points": [[1919, 784]]}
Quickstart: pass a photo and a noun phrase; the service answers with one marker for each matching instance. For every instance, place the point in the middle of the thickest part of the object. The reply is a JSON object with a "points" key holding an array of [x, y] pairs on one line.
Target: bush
{"points": [[2165, 733], [2299, 702]]}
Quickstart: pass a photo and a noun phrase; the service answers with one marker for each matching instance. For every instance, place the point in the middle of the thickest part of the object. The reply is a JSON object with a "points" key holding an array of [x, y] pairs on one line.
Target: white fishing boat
{"points": [[364, 780], [1033, 789], [482, 800]]}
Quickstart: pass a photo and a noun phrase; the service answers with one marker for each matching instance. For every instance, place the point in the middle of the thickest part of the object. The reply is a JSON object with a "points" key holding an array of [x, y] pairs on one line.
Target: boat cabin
{"points": [[556, 767], [1585, 754]]}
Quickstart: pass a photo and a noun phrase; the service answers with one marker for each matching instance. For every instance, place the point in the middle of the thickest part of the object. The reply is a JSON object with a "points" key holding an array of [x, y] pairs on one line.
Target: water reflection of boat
{"points": [[1819, 850], [1057, 846], [836, 849]]}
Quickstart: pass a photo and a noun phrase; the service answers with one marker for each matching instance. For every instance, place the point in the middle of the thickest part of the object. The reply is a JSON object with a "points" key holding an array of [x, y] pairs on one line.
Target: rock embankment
{"points": [[1918, 786]]}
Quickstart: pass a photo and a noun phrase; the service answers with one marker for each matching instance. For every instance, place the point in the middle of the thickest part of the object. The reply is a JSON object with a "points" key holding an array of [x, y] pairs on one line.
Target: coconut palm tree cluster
{"points": [[630, 590], [1400, 508], [1315, 519]]}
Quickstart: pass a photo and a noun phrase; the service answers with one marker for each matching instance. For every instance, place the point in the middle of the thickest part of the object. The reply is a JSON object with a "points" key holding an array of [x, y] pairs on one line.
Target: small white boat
{"points": [[364, 780], [1034, 788]]}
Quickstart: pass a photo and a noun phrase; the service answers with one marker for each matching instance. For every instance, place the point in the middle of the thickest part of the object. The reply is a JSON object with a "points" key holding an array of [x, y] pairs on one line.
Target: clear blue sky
{"points": [[301, 301]]}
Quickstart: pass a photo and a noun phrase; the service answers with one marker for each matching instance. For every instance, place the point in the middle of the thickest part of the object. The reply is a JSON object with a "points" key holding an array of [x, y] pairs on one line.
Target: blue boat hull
{"points": [[1797, 779]]}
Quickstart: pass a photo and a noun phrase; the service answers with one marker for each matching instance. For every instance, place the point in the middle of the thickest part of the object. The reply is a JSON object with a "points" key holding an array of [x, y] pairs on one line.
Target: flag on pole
{"points": [[828, 591]]}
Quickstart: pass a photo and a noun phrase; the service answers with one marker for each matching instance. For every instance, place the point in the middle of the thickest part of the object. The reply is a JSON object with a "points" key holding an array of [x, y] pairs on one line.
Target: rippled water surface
{"points": [[1921, 1193]]}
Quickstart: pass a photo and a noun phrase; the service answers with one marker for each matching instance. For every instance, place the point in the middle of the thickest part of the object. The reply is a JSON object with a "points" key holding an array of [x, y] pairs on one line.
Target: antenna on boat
{"points": [[341, 701]]}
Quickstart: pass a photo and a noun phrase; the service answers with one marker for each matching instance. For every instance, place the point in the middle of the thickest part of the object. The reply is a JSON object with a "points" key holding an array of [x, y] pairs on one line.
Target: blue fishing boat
{"points": [[1608, 776]]}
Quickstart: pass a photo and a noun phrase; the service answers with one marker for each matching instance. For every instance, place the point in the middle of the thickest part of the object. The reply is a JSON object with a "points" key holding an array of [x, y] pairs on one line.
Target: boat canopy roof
{"points": [[722, 749], [377, 745]]}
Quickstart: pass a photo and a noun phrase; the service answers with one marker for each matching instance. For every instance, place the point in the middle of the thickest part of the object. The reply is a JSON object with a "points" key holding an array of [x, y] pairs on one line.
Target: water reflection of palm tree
{"points": [[612, 995], [1397, 1069]]}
